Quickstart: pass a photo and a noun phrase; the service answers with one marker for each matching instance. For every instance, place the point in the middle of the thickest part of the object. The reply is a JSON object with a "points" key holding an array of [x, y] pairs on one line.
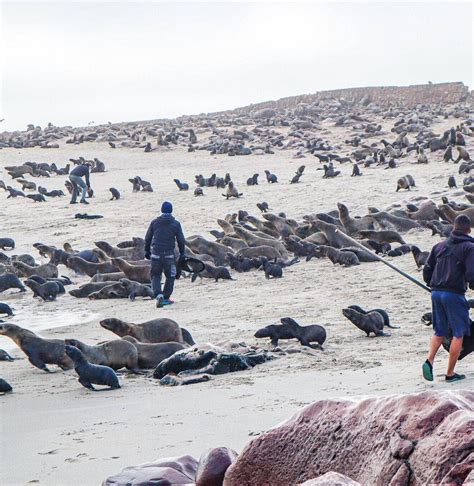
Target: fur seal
{"points": [[211, 271], [232, 191], [160, 330], [6, 309], [115, 193], [182, 186], [253, 240], [48, 270], [80, 265], [114, 291], [382, 312], [4, 356], [253, 181], [136, 289], [130, 253], [384, 236], [10, 281], [116, 353], [420, 256], [36, 197], [272, 269], [137, 273], [401, 250], [48, 291], [91, 374], [290, 329], [39, 351], [151, 355], [263, 206], [345, 258], [89, 288], [352, 225], [5, 387], [7, 244], [271, 178], [198, 191], [372, 322]]}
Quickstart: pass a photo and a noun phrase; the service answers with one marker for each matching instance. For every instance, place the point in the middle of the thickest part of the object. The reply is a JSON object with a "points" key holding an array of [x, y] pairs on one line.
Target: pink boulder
{"points": [[163, 472], [212, 466], [424, 438]]}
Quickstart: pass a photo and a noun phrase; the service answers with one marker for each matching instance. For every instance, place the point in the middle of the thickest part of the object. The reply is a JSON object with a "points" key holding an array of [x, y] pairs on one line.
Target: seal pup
{"points": [[116, 353], [7, 244], [198, 191], [421, 257], [5, 387], [115, 193], [452, 182], [356, 171], [90, 374], [48, 291], [271, 178], [263, 206], [253, 181], [182, 186], [232, 191], [290, 329], [40, 352], [4, 356], [382, 312], [10, 281], [6, 309], [382, 236], [272, 269], [372, 322]]}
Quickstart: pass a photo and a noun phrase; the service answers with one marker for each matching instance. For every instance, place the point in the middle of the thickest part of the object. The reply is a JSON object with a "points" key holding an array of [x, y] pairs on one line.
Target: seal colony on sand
{"points": [[270, 231]]}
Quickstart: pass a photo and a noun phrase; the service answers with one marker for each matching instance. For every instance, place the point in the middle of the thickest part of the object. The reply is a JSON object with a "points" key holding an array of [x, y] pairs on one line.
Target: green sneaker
{"points": [[455, 377], [427, 371]]}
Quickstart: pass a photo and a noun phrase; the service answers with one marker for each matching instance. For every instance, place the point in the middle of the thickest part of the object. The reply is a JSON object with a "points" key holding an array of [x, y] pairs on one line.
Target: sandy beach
{"points": [[55, 432]]}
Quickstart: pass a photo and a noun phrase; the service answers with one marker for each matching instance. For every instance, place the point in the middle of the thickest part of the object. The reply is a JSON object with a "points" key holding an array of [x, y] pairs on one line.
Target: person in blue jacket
{"points": [[448, 271], [160, 241]]}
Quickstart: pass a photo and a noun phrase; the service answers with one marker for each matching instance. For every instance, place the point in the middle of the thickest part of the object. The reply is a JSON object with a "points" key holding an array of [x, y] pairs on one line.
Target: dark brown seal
{"points": [[40, 351], [371, 322]]}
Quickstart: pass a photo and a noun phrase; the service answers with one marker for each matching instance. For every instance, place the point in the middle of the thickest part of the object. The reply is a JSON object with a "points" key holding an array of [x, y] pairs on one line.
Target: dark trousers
{"points": [[165, 263]]}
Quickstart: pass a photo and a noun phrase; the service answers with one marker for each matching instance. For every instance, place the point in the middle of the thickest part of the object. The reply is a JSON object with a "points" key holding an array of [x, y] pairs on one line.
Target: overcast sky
{"points": [[73, 63]]}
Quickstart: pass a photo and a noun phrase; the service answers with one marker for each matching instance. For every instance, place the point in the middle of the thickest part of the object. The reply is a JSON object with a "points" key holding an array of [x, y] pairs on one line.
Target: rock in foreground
{"points": [[424, 438]]}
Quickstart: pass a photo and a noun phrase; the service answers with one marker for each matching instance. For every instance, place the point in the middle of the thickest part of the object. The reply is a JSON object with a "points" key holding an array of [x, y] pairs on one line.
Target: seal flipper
{"points": [[86, 383]]}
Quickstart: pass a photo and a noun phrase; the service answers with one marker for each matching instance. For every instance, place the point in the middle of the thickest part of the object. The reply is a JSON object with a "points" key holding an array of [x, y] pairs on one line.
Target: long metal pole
{"points": [[393, 267]]}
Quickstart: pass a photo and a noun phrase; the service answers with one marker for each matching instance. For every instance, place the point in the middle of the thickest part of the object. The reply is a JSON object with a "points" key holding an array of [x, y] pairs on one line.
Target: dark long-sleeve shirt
{"points": [[81, 171], [450, 265], [162, 234]]}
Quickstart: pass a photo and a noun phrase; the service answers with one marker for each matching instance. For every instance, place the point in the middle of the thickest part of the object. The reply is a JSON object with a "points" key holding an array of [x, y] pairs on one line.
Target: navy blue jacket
{"points": [[450, 265], [162, 234], [81, 171]]}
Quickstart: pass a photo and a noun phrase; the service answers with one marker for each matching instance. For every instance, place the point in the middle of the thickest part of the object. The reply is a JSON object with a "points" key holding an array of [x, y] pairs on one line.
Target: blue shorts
{"points": [[450, 314]]}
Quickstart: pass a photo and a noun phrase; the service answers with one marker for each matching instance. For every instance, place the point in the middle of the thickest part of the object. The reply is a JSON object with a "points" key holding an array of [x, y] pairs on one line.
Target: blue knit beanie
{"points": [[167, 207]]}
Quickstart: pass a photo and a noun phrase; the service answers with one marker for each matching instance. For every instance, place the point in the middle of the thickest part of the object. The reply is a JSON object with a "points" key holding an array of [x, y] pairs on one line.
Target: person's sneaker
{"points": [[84, 202], [427, 371], [168, 302], [73, 202], [160, 301], [455, 377]]}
